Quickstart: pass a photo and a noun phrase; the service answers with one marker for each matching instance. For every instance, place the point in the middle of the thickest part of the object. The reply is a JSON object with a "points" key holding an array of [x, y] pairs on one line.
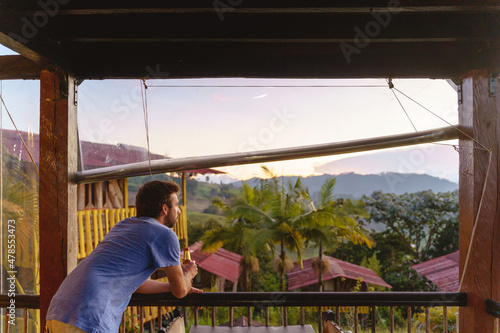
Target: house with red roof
{"points": [[343, 276], [223, 266], [442, 271]]}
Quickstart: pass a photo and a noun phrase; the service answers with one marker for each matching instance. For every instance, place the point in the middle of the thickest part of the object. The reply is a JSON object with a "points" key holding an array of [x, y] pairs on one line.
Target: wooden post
{"points": [[479, 117], [184, 195], [58, 196], [98, 195], [125, 192]]}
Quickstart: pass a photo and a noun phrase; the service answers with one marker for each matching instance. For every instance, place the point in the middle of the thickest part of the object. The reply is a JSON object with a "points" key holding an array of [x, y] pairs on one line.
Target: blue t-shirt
{"points": [[95, 294]]}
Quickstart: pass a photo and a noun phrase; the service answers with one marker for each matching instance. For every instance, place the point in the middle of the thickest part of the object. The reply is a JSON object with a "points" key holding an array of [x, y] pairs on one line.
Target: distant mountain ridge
{"points": [[356, 185]]}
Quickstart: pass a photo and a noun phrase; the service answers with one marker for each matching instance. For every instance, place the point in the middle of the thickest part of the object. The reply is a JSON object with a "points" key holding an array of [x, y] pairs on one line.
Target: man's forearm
{"points": [[180, 277], [153, 287], [188, 280]]}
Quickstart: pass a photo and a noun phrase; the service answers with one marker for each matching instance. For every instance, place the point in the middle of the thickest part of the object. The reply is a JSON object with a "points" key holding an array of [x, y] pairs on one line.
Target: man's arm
{"points": [[153, 287], [180, 278], [179, 284]]}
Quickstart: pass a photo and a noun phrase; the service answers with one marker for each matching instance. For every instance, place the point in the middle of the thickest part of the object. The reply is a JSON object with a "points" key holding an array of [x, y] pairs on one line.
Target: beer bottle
{"points": [[187, 256]]}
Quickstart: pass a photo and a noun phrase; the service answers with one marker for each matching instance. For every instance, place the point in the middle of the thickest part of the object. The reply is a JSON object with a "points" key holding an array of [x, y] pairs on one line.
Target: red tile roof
{"points": [[222, 262], [442, 271], [94, 155], [299, 278]]}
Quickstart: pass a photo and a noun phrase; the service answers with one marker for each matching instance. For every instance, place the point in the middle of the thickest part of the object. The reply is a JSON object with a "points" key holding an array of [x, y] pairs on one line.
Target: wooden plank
{"points": [[418, 59], [98, 195], [14, 67], [24, 51], [115, 194], [81, 196], [332, 9], [58, 196], [479, 117]]}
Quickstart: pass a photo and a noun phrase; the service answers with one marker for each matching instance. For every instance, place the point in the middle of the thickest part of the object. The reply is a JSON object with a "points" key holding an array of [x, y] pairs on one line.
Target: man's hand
{"points": [[180, 277], [194, 290], [190, 269]]}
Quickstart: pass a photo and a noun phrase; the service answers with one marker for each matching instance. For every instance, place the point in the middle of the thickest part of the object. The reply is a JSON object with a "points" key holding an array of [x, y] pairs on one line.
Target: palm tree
{"points": [[333, 220], [237, 235], [20, 204], [263, 217], [280, 219]]}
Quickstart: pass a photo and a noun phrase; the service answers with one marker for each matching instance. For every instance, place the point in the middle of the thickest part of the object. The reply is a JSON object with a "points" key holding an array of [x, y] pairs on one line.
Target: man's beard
{"points": [[171, 219]]}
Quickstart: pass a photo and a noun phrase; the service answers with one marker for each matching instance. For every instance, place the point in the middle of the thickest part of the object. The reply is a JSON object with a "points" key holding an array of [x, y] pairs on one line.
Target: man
{"points": [[94, 295]]}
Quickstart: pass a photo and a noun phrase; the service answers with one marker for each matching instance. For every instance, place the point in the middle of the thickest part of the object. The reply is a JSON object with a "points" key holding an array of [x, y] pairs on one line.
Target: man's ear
{"points": [[164, 208]]}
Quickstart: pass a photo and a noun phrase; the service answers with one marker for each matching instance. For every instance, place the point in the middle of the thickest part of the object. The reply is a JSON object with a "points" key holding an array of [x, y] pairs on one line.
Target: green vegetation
{"points": [[258, 220], [275, 214], [20, 228], [417, 227]]}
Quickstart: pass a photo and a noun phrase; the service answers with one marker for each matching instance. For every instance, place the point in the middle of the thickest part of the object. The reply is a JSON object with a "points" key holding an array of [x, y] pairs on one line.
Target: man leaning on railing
{"points": [[94, 295]]}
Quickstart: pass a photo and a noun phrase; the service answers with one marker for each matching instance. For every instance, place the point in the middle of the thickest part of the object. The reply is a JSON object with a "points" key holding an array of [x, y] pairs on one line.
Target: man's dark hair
{"points": [[152, 195]]}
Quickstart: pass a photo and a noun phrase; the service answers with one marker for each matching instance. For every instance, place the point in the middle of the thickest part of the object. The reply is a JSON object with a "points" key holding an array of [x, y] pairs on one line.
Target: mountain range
{"points": [[352, 185]]}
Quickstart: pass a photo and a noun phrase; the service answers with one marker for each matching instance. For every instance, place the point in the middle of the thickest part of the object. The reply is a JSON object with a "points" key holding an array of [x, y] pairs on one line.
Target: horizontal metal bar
{"points": [[266, 299], [270, 155], [263, 299], [21, 301]]}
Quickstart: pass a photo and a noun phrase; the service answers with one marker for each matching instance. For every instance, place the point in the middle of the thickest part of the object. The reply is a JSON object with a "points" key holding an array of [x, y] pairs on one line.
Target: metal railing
{"points": [[14, 305], [319, 300], [260, 301]]}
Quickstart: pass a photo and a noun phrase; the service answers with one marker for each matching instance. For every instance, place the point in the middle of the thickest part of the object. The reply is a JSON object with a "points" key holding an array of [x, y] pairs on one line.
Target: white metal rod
{"points": [[261, 156]]}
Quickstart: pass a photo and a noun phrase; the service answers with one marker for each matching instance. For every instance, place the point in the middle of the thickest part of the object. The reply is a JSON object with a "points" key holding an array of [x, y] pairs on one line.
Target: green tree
{"points": [[287, 209], [235, 235], [333, 221], [271, 215], [415, 220], [20, 205]]}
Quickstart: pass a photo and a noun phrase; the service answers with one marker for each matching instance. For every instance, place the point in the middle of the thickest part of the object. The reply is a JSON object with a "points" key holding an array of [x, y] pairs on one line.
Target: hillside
{"points": [[356, 185], [348, 185]]}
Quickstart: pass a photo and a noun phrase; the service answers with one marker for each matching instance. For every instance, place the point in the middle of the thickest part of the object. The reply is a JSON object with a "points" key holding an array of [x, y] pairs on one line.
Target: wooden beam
{"points": [[479, 193], [332, 9], [58, 196], [21, 49], [13, 67]]}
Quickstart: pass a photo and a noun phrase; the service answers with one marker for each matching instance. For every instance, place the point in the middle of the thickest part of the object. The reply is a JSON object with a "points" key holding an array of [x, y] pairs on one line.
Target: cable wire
{"points": [[144, 89], [444, 120], [20, 136], [483, 191], [401, 104], [466, 264], [265, 86]]}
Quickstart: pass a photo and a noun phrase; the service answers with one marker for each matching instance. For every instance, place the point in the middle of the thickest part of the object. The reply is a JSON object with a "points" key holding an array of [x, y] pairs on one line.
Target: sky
{"points": [[200, 117]]}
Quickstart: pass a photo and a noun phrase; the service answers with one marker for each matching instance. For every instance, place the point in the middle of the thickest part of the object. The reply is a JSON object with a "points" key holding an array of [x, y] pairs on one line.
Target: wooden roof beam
{"points": [[282, 10], [20, 48], [15, 67]]}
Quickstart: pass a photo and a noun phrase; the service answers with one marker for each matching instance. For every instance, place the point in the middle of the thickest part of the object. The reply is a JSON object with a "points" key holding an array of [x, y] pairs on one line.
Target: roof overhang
{"points": [[275, 39]]}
